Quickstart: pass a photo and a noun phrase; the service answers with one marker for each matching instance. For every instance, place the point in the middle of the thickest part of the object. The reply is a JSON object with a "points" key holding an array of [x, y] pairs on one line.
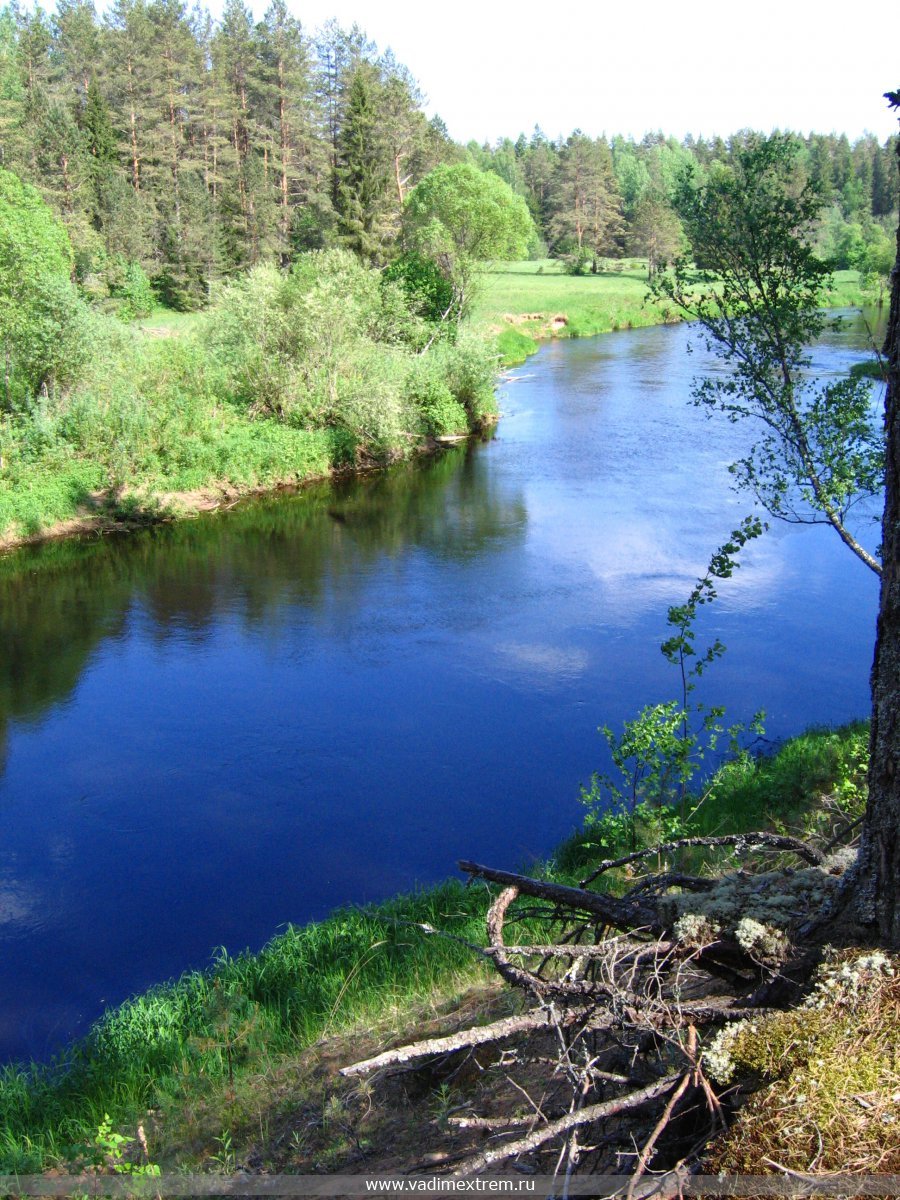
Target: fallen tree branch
{"points": [[632, 916], [584, 1116], [646, 1154], [490, 1123], [588, 950], [480, 1035], [753, 841]]}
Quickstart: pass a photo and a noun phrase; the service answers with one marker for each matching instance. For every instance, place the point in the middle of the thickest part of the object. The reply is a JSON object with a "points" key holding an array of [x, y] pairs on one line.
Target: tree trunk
{"points": [[877, 888]]}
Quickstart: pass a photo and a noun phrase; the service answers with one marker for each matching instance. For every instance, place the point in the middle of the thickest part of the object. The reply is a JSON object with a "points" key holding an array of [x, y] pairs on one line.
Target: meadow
{"points": [[524, 303]]}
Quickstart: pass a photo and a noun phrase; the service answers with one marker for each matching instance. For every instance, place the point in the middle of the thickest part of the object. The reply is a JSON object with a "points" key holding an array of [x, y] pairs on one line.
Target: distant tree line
{"points": [[593, 197], [179, 151]]}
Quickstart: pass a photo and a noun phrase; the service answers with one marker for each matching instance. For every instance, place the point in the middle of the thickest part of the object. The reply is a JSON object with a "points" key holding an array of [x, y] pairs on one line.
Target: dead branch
{"points": [[620, 1001], [661, 883], [577, 950], [740, 841], [492, 1124], [584, 1116], [537, 1018], [630, 916], [646, 1153]]}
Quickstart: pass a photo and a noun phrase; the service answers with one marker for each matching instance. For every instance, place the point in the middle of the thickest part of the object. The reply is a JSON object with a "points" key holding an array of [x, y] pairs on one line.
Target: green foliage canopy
{"points": [[41, 317], [462, 211], [756, 289], [459, 216]]}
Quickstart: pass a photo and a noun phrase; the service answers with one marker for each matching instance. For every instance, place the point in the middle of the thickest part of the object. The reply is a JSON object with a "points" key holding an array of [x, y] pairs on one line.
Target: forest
{"points": [[180, 150]]}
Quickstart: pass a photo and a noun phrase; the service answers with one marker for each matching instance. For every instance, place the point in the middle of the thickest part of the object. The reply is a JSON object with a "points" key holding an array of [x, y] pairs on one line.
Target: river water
{"points": [[213, 728]]}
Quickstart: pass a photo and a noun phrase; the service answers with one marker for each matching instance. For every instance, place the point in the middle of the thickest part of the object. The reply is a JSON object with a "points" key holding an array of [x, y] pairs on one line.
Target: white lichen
{"points": [[777, 900], [846, 982], [695, 929], [717, 1057], [762, 941]]}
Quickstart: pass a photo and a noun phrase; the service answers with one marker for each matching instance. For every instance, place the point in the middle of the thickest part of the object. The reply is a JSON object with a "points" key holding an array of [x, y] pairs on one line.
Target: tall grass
{"points": [[163, 1048]]}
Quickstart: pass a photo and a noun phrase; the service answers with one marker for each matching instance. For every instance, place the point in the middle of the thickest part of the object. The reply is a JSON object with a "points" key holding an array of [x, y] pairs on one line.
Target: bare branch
{"points": [[750, 841], [481, 1035], [617, 913], [584, 1116]]}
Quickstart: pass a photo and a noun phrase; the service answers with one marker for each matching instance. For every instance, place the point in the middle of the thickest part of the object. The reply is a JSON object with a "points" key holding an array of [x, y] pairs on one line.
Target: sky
{"points": [[491, 68]]}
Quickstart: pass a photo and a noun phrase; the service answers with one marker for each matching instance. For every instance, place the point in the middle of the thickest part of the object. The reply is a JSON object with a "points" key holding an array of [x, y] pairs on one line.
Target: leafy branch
{"points": [[660, 751]]}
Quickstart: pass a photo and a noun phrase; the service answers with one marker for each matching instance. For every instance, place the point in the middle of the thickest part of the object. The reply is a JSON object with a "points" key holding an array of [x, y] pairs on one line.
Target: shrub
{"points": [[441, 414], [470, 368], [129, 283]]}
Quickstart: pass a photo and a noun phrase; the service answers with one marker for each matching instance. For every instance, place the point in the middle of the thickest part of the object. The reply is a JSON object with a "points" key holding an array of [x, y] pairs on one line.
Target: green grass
{"points": [[170, 1046], [762, 792], [522, 303], [165, 322], [782, 790], [846, 291], [169, 1049]]}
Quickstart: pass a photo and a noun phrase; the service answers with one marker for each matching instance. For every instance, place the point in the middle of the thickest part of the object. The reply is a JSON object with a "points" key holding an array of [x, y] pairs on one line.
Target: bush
{"points": [[129, 283], [45, 326], [371, 406], [470, 369], [290, 373], [330, 345], [441, 414]]}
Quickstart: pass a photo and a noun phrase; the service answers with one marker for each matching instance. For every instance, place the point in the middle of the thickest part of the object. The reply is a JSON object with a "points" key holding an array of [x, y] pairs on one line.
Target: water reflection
{"points": [[246, 719], [60, 602]]}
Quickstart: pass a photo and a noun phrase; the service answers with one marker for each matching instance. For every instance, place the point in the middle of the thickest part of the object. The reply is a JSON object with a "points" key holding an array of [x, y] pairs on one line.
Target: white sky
{"points": [[494, 68]]}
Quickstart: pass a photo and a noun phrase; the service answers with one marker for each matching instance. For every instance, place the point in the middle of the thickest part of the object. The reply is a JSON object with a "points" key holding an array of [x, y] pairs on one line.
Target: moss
{"points": [[827, 1077]]}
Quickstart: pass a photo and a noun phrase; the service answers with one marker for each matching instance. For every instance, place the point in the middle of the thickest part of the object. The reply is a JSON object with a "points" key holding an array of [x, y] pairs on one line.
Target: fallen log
{"points": [[629, 916]]}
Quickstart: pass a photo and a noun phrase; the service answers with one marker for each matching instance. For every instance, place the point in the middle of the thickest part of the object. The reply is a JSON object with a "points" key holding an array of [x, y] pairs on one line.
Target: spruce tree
{"points": [[362, 169]]}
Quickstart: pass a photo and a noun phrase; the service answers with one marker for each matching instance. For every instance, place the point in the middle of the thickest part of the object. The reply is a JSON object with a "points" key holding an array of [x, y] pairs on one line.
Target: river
{"points": [[216, 727]]}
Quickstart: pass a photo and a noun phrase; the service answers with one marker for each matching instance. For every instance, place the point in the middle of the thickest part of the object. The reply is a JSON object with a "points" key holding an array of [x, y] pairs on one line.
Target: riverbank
{"points": [[289, 377], [182, 414], [123, 510], [525, 303], [223, 1067]]}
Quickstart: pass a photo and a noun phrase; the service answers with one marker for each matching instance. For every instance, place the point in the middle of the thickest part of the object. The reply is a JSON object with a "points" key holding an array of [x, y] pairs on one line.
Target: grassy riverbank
{"points": [[524, 303], [196, 1060], [288, 377]]}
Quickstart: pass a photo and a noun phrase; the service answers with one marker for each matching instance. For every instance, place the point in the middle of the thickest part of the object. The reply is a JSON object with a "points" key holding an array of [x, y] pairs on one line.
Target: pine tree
{"points": [[235, 58], [338, 53], [298, 159], [77, 48], [129, 44], [584, 202]]}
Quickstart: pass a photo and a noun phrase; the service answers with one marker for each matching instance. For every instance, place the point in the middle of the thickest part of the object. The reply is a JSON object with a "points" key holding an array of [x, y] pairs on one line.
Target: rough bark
{"points": [[877, 888]]}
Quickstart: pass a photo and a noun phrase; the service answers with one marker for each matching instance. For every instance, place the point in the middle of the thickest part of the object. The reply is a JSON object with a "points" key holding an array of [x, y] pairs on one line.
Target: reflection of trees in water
{"points": [[59, 602]]}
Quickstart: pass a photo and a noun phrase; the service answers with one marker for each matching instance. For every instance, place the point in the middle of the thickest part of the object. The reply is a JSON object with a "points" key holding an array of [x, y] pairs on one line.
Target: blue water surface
{"points": [[214, 728]]}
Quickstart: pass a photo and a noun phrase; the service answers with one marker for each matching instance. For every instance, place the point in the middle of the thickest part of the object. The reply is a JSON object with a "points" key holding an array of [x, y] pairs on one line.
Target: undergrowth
{"points": [[289, 375], [813, 784]]}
